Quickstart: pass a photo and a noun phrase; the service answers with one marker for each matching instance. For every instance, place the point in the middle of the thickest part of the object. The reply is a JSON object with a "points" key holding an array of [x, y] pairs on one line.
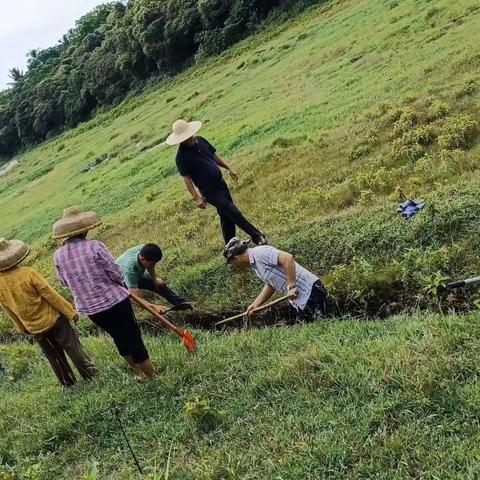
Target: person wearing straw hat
{"points": [[38, 310], [199, 165], [97, 283], [280, 273]]}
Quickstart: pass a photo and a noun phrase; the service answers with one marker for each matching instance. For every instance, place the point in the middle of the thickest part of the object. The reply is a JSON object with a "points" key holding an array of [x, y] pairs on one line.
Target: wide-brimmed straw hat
{"points": [[182, 130], [75, 222], [12, 252]]}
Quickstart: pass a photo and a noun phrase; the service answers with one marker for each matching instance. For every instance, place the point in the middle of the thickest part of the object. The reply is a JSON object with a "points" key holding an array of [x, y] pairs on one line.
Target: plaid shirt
{"points": [[88, 268]]}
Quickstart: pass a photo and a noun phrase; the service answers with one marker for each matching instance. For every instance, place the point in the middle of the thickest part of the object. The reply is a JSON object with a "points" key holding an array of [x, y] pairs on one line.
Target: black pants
{"points": [[58, 342], [167, 293], [230, 215], [317, 303], [120, 323]]}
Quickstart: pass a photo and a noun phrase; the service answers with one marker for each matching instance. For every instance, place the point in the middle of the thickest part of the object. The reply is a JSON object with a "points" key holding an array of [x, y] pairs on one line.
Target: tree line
{"points": [[113, 49]]}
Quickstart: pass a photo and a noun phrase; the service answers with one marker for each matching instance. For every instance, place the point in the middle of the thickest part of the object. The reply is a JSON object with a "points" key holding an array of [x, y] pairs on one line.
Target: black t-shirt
{"points": [[198, 163]]}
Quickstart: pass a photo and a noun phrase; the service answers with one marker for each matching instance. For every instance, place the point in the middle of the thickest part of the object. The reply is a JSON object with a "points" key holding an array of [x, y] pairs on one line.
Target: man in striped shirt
{"points": [[282, 274]]}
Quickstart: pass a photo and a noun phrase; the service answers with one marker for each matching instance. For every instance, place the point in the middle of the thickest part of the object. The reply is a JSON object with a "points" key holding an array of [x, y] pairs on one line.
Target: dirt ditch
{"points": [[459, 302]]}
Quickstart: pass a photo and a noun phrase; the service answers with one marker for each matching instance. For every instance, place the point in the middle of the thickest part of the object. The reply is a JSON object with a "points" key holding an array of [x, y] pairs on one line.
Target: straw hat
{"points": [[182, 130], [12, 253], [75, 222]]}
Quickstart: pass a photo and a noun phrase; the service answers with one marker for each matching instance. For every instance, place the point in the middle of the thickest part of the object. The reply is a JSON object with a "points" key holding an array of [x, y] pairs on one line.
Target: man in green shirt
{"points": [[138, 265]]}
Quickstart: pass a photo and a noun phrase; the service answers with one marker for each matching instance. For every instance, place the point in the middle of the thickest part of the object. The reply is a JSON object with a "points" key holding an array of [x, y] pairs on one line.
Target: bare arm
{"points": [[158, 308], [287, 261], [222, 163], [197, 198], [265, 294], [156, 280]]}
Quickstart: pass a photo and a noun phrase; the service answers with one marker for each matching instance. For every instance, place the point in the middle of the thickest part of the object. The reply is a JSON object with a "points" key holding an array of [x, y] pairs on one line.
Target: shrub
{"points": [[402, 150], [358, 151], [406, 119], [468, 88], [410, 145], [423, 135], [458, 131], [437, 110]]}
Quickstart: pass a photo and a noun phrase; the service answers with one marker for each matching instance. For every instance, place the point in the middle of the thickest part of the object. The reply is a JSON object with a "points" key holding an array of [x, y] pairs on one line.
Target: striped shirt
{"points": [[88, 268], [264, 261]]}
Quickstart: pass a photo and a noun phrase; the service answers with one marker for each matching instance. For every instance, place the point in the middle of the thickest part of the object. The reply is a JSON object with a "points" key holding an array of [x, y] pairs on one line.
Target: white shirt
{"points": [[264, 261]]}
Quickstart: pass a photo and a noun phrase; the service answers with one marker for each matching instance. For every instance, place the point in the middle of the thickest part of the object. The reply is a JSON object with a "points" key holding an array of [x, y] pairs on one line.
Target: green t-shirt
{"points": [[133, 270]]}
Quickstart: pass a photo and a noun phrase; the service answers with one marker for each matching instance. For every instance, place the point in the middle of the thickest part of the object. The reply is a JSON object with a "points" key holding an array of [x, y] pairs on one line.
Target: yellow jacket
{"points": [[30, 301]]}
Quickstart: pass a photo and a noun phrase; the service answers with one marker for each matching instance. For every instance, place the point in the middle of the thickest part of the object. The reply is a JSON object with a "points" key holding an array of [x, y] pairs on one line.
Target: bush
{"points": [[358, 151], [437, 110], [458, 131], [406, 120], [467, 89]]}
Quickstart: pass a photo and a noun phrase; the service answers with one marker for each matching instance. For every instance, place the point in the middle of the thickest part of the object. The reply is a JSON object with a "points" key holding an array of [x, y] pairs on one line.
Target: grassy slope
{"points": [[388, 400], [290, 108], [307, 113]]}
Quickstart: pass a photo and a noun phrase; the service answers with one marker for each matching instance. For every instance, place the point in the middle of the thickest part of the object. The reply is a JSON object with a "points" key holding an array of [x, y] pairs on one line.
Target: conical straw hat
{"points": [[182, 130], [75, 222], [12, 252]]}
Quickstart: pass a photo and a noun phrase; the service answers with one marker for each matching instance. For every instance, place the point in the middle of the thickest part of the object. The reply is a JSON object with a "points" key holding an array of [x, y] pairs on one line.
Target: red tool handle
{"points": [[142, 303]]}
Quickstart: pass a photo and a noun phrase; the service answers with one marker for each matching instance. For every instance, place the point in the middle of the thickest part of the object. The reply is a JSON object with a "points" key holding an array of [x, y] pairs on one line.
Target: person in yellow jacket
{"points": [[37, 309]]}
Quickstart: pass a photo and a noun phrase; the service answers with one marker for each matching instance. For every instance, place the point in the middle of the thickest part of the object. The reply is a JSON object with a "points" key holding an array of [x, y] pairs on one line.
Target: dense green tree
{"points": [[112, 49]]}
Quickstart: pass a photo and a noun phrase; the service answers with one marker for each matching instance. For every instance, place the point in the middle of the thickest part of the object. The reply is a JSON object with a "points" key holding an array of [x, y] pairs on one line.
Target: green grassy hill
{"points": [[330, 120]]}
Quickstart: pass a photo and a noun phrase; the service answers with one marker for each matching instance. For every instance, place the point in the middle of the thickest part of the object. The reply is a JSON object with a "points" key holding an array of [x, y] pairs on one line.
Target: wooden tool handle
{"points": [[143, 304], [259, 309]]}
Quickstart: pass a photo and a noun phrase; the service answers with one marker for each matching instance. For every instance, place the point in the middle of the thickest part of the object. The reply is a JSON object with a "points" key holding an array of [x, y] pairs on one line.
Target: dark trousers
{"points": [[120, 323], [230, 216], [317, 303], [62, 339], [167, 293]]}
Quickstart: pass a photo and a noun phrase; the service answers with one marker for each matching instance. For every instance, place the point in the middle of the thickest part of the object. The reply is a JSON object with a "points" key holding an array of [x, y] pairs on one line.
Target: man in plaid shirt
{"points": [[88, 268]]}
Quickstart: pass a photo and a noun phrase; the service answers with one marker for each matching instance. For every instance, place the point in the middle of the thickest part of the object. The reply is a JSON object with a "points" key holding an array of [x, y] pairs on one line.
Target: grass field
{"points": [[340, 400], [330, 119]]}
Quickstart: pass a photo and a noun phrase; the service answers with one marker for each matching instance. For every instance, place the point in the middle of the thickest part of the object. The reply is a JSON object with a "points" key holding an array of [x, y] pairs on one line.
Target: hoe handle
{"points": [[463, 283], [259, 309], [143, 304]]}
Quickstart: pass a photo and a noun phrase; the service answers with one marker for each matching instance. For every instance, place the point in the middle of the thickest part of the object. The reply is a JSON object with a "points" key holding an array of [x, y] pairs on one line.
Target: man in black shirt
{"points": [[199, 165]]}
